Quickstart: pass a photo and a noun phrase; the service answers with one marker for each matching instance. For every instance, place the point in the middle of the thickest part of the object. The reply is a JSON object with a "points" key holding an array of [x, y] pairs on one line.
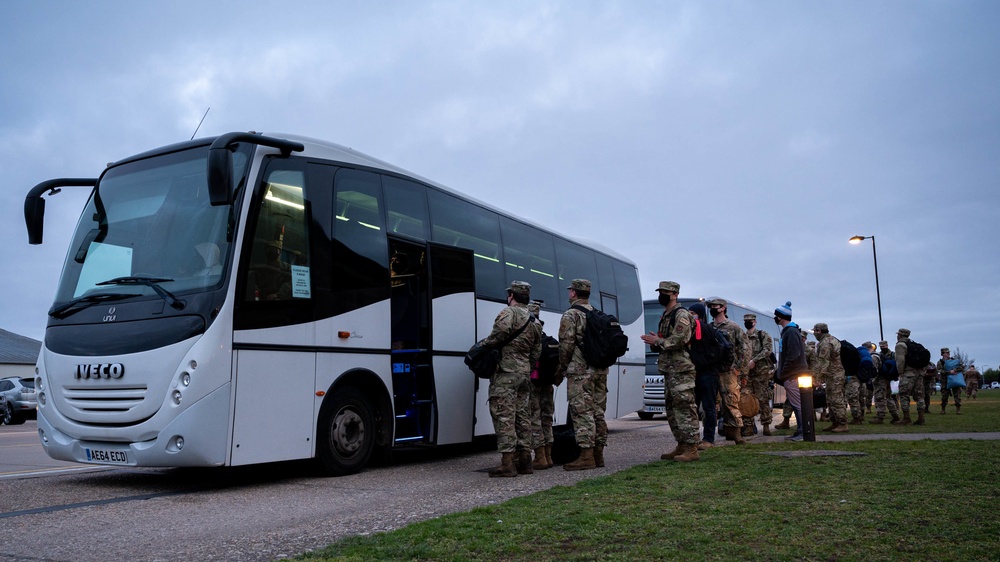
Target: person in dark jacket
{"points": [[791, 362], [706, 388]]}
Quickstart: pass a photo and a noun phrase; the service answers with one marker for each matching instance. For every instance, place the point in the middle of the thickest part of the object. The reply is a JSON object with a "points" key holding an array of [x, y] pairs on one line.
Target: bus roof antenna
{"points": [[199, 123]]}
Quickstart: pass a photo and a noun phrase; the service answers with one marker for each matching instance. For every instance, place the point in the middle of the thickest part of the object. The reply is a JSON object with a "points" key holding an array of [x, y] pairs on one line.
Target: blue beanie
{"points": [[784, 311]]}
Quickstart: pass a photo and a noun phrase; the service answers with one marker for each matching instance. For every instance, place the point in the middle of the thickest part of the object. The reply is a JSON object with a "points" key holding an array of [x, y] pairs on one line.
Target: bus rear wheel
{"points": [[346, 432]]}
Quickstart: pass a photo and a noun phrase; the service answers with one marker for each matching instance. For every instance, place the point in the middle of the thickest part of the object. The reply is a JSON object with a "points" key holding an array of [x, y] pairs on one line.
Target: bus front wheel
{"points": [[346, 432]]}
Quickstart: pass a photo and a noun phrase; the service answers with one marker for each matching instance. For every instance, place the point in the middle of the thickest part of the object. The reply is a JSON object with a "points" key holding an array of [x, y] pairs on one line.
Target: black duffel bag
{"points": [[482, 360]]}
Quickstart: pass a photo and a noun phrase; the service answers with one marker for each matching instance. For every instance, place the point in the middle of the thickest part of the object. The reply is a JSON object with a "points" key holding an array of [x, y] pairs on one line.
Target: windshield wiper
{"points": [[76, 305], [152, 283]]}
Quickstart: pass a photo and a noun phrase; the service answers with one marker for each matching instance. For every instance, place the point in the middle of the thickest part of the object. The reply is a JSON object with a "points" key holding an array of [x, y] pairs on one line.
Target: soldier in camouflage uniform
{"points": [[542, 406], [674, 363], [729, 382], [761, 370], [587, 386], [885, 401], [510, 386], [910, 380], [971, 382], [828, 364], [944, 372]]}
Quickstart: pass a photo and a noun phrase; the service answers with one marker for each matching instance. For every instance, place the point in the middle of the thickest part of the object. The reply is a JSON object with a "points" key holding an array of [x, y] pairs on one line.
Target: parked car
{"points": [[19, 400], [995, 384]]}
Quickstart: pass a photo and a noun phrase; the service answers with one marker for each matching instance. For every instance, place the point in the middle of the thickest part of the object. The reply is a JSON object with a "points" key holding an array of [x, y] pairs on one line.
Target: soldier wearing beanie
{"points": [[791, 362]]}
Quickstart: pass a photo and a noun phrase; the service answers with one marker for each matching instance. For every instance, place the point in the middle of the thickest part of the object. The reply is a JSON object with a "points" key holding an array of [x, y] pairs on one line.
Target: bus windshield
{"points": [[149, 220]]}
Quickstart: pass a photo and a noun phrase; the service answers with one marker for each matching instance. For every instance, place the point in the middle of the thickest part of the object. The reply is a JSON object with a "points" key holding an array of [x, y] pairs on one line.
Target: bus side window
{"points": [[279, 261]]}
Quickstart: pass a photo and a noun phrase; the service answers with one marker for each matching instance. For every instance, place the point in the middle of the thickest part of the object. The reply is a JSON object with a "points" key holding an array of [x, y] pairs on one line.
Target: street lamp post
{"points": [[878, 296]]}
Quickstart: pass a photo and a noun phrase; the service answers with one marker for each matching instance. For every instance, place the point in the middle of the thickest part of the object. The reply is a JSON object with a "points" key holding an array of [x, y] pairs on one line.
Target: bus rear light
{"points": [[343, 335]]}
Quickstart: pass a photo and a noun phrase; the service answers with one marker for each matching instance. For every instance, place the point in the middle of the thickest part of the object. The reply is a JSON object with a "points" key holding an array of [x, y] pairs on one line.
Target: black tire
{"points": [[645, 415], [5, 414], [11, 417], [346, 432]]}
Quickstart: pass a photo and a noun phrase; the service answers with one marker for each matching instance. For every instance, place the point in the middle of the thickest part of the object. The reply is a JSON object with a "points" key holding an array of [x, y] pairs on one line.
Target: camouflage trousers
{"points": [[542, 407], [865, 396], [509, 399], [587, 394], [928, 390], [682, 410], [836, 400], [885, 400], [911, 385], [945, 393], [971, 388], [760, 387], [852, 393], [729, 388]]}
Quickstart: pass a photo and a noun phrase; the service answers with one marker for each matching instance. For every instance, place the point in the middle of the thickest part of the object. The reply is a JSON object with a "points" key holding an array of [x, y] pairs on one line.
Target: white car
{"points": [[995, 384]]}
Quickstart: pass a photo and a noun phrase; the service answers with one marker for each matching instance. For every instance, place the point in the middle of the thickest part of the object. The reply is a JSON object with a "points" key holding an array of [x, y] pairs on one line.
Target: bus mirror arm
{"points": [[220, 161], [34, 205]]}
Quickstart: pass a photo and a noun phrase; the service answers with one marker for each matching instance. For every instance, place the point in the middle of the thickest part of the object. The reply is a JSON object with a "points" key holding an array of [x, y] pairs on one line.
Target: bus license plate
{"points": [[659, 409], [107, 456]]}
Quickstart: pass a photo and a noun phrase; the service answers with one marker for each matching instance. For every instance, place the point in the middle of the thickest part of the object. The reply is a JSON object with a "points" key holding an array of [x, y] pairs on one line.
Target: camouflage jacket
{"points": [[828, 357], [738, 339], [674, 331], [762, 346], [571, 327], [900, 353], [520, 354]]}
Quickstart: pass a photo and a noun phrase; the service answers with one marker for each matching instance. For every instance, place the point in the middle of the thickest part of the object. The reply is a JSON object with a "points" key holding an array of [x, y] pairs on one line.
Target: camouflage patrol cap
{"points": [[718, 301], [821, 327], [750, 316], [579, 285], [535, 308], [669, 286], [519, 287], [903, 332], [883, 343], [945, 350]]}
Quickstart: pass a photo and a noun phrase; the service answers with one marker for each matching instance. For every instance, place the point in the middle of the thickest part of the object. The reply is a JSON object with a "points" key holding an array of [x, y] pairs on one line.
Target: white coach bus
{"points": [[247, 298]]}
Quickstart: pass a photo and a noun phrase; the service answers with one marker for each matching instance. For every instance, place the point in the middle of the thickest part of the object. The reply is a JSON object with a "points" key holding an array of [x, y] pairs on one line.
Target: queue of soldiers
{"points": [[521, 397]]}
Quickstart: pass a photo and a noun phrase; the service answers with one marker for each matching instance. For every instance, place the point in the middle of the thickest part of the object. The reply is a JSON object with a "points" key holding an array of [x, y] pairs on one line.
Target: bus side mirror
{"points": [[34, 205], [34, 218], [220, 170]]}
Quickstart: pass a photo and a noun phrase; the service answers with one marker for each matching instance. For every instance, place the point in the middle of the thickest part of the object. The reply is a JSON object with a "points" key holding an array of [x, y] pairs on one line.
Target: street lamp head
{"points": [[857, 239]]}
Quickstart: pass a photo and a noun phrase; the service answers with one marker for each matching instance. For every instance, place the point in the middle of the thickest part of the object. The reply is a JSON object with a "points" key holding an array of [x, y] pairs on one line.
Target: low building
{"points": [[18, 355]]}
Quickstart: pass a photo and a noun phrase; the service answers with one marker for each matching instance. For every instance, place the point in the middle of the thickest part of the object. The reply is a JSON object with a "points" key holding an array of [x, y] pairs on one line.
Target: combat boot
{"points": [[672, 454], [598, 456], [857, 421], [767, 429], [690, 453], [877, 421], [506, 468], [895, 418], [840, 428], [783, 424], [943, 406], [920, 418], [524, 462], [584, 462], [906, 418], [704, 445], [737, 434], [540, 462], [830, 428], [958, 409], [548, 456]]}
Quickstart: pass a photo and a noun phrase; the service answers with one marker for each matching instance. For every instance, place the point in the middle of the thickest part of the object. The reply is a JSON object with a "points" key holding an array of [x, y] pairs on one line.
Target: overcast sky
{"points": [[733, 147]]}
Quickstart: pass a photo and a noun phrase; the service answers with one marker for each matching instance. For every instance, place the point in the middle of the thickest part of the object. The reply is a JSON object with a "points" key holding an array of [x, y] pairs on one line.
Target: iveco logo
{"points": [[100, 371], [110, 317]]}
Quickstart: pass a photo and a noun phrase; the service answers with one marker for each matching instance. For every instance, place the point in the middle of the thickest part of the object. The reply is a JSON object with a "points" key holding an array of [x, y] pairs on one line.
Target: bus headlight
{"points": [[177, 397], [186, 379]]}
